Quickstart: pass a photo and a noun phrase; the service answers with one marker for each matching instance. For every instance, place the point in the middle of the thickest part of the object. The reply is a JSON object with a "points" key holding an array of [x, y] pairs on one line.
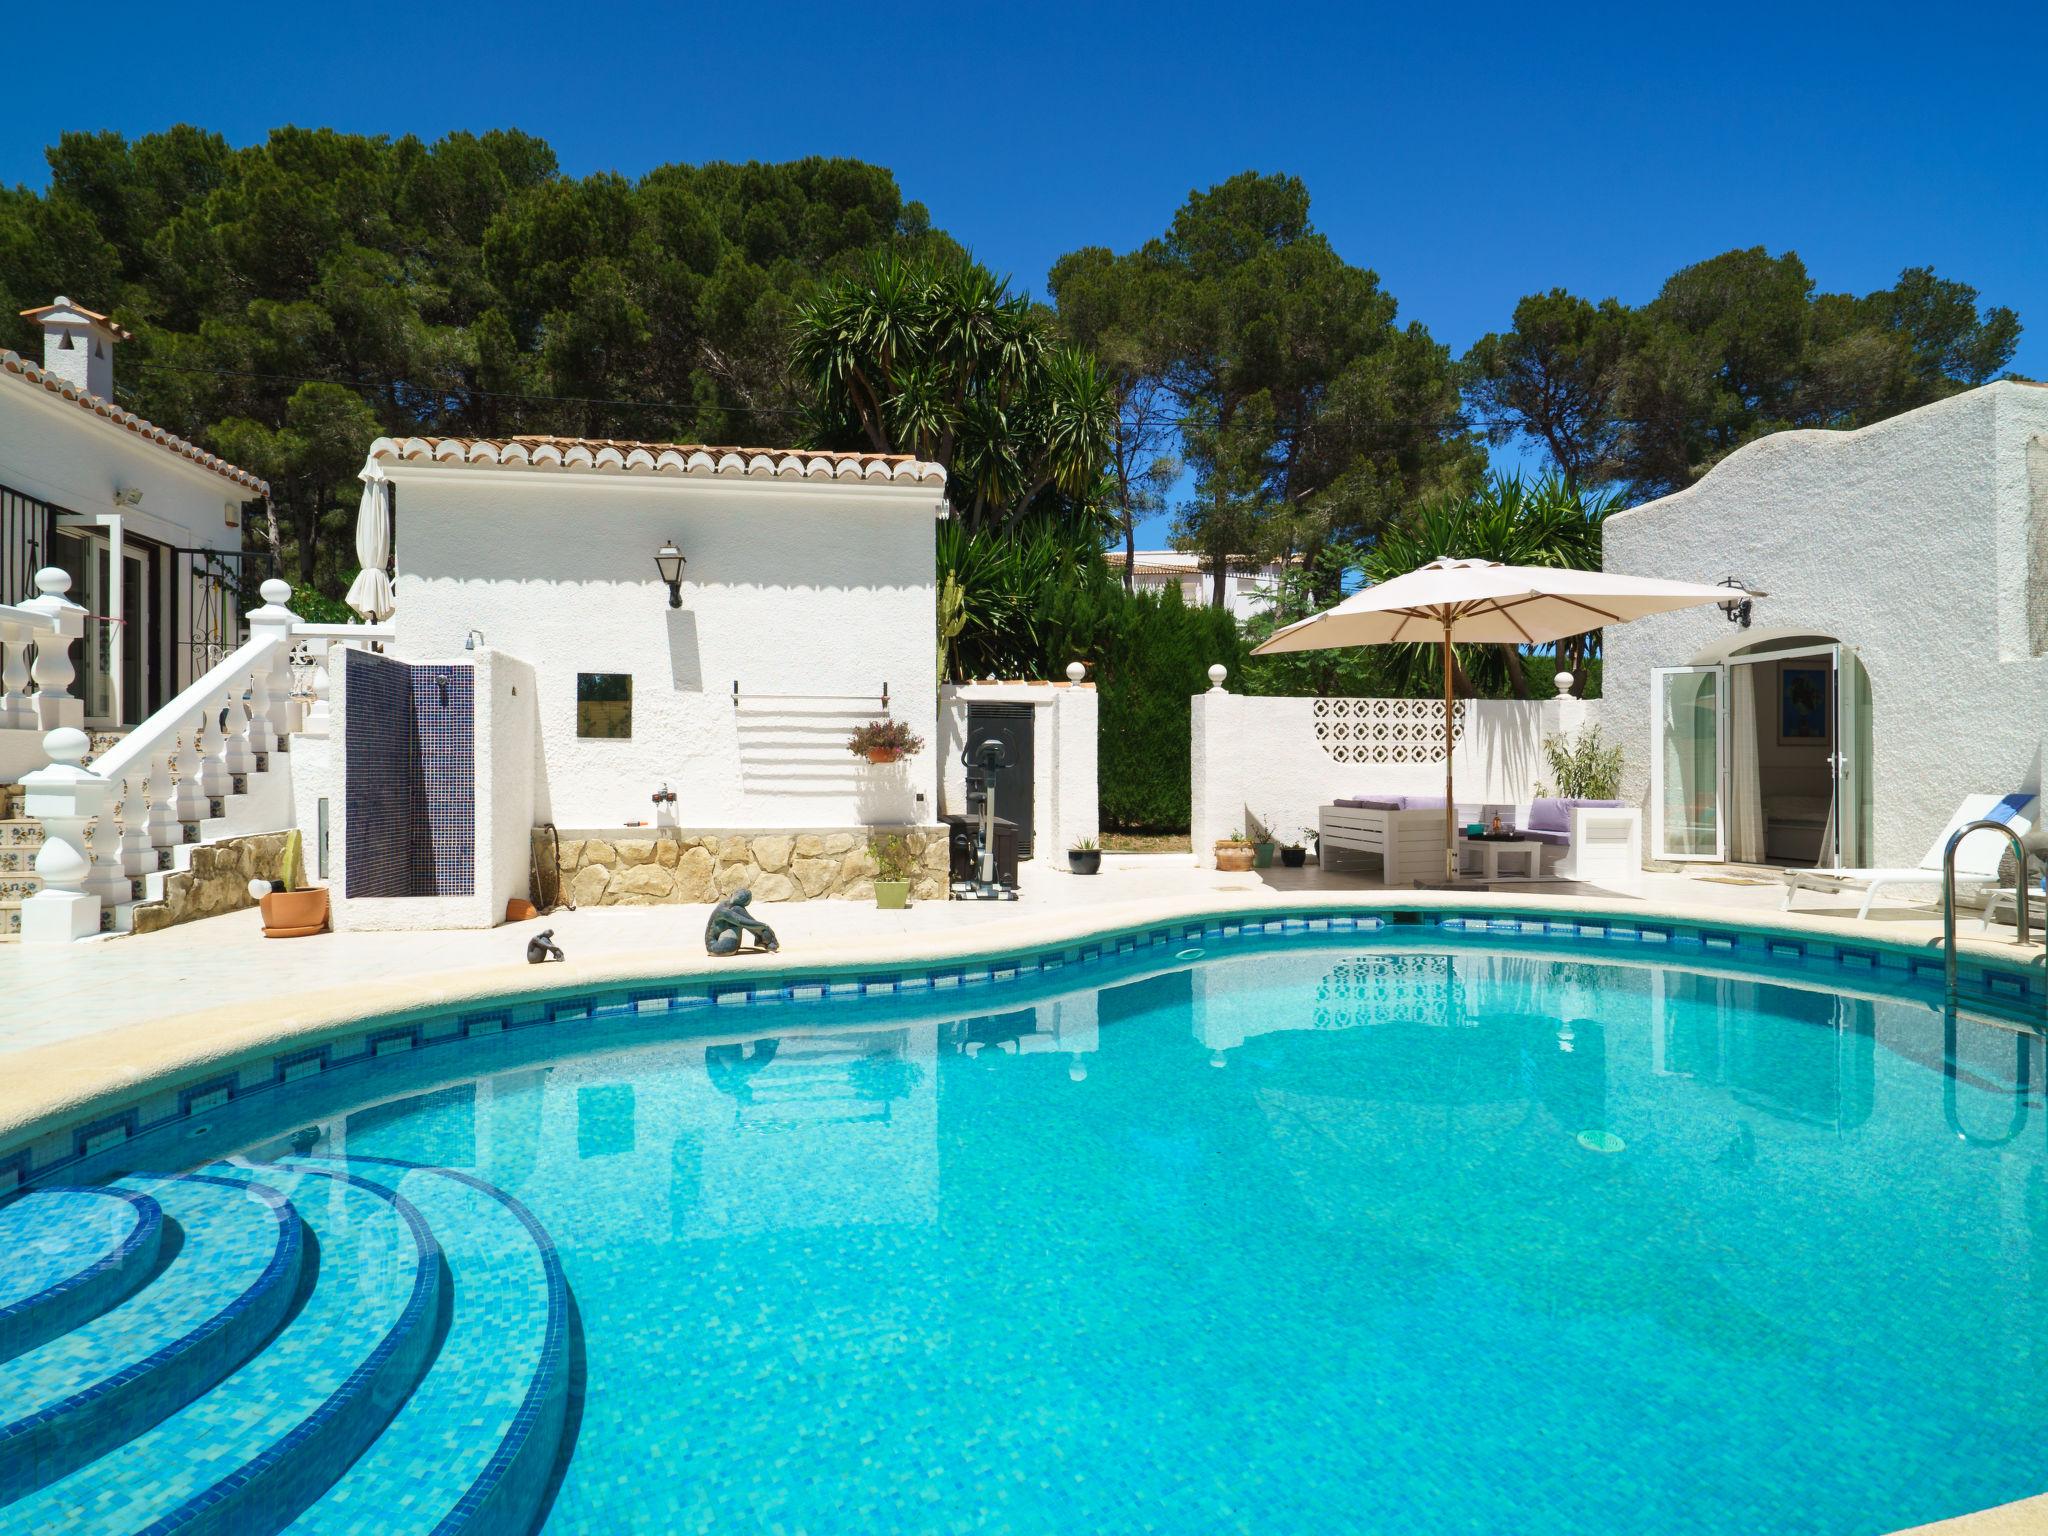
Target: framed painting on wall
{"points": [[1802, 704]]}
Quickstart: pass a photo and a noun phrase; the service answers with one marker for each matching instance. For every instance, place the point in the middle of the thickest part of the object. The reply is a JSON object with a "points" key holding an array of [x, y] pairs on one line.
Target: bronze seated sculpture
{"points": [[730, 925]]}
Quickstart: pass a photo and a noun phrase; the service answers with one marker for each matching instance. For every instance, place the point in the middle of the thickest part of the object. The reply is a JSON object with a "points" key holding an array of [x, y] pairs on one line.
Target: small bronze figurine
{"points": [[730, 924], [542, 947]]}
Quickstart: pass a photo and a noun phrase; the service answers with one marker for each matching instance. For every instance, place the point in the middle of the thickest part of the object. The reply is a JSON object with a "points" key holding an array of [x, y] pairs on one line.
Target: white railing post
{"points": [[53, 672], [137, 856], [64, 797], [188, 801], [17, 710], [323, 684], [272, 697], [213, 745], [236, 756], [103, 844], [162, 821]]}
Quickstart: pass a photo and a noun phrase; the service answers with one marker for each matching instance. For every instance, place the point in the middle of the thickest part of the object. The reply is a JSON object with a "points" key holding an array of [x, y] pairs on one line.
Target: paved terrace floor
{"points": [[224, 966]]}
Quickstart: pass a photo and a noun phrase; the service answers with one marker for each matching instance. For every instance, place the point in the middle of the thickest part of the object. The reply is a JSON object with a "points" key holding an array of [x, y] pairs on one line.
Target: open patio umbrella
{"points": [[370, 593], [1481, 602]]}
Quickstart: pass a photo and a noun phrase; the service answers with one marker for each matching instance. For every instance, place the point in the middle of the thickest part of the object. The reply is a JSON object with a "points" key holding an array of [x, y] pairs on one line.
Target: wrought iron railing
{"points": [[26, 525]]}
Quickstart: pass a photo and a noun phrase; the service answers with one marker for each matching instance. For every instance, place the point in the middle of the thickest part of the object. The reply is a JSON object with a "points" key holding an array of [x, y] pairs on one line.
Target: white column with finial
{"points": [[64, 797], [272, 694], [1215, 768], [53, 672]]}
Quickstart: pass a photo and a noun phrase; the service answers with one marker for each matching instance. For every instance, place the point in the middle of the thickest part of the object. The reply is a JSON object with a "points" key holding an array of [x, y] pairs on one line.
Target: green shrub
{"points": [[1585, 768]]}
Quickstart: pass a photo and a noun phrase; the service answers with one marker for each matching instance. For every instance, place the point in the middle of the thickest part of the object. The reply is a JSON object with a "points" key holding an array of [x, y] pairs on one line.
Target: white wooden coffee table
{"points": [[1492, 852]]}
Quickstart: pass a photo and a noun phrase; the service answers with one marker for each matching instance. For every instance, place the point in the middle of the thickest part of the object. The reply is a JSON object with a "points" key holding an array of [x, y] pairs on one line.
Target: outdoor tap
{"points": [[664, 796]]}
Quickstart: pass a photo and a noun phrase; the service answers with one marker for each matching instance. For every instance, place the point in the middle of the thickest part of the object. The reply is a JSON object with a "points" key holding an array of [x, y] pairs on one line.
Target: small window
{"points": [[604, 704]]}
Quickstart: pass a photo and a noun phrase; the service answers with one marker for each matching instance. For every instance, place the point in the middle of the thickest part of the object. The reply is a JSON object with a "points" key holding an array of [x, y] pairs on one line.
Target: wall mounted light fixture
{"points": [[1737, 607], [669, 561]]}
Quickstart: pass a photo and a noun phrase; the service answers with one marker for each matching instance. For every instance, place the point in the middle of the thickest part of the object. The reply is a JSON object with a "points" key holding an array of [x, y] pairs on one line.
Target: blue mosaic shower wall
{"points": [[411, 778]]}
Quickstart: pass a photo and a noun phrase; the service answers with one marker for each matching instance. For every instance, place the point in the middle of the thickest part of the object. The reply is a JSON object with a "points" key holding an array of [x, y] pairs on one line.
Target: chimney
{"points": [[78, 345]]}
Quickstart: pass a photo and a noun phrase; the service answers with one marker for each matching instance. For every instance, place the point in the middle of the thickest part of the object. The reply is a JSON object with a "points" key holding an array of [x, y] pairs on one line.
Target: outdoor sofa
{"points": [[1593, 839]]}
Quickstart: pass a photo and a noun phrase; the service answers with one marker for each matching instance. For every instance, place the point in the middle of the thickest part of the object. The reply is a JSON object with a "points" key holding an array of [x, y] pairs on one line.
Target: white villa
{"points": [[1898, 664], [1249, 588]]}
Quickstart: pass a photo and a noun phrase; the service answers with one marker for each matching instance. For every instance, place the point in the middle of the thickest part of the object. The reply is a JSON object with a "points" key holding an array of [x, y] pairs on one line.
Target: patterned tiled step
{"points": [[70, 1255], [10, 922], [21, 832], [79, 1396], [473, 1448], [246, 1457]]}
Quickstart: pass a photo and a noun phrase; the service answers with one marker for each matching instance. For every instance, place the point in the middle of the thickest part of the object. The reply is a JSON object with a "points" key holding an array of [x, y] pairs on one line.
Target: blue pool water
{"points": [[1321, 1237]]}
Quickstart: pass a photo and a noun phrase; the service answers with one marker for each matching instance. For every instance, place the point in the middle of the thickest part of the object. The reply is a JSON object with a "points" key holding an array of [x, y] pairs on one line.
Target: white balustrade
{"points": [[162, 819], [65, 797]]}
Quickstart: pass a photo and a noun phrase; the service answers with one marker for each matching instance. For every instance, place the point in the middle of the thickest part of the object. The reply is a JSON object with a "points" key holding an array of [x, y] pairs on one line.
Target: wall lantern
{"points": [[669, 561], [1737, 607]]}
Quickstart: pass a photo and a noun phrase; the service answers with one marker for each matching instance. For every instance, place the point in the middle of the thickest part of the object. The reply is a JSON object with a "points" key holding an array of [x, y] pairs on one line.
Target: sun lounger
{"points": [[1977, 860]]}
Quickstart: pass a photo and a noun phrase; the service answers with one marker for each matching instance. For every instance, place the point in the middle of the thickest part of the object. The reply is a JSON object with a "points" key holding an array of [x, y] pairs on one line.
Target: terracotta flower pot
{"points": [[885, 754], [294, 914], [892, 895], [1234, 858]]}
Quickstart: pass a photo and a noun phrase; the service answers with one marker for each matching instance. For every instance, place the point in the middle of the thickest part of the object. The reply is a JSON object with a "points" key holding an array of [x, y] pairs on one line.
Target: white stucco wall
{"points": [[1063, 767], [1256, 761], [803, 588], [1915, 541]]}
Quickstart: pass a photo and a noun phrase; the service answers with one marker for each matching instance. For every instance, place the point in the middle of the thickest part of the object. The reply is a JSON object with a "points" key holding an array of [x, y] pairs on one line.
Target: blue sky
{"points": [[1468, 154]]}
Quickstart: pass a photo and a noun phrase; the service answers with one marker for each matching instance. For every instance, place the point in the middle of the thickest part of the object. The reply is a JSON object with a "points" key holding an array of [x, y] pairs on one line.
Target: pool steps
{"points": [[332, 1346], [69, 1254]]}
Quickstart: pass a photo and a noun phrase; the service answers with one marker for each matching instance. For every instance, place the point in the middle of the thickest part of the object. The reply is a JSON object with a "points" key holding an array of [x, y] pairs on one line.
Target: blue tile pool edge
{"points": [[2014, 992]]}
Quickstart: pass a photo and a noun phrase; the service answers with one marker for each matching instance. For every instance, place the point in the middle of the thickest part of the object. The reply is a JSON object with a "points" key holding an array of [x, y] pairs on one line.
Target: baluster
{"points": [[188, 801], [164, 831], [279, 702], [238, 756], [262, 737], [53, 672], [137, 856], [105, 880], [16, 709], [213, 768], [317, 717]]}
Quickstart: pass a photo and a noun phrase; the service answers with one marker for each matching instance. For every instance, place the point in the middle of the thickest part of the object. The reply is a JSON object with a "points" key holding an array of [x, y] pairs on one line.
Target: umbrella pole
{"points": [[1450, 806]]}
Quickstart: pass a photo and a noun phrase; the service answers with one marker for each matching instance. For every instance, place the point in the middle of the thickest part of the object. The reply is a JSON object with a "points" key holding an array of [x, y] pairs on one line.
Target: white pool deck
{"points": [[79, 1022]]}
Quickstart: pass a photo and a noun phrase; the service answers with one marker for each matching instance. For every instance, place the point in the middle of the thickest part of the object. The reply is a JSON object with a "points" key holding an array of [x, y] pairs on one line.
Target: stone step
{"points": [[253, 1452], [474, 1446], [76, 1398], [71, 1254]]}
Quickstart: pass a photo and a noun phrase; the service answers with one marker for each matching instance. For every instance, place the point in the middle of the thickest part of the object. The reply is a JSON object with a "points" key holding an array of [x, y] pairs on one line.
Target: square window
{"points": [[604, 704]]}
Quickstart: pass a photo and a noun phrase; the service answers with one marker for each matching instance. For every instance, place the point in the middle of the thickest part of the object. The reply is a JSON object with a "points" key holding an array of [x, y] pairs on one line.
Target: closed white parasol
{"points": [[1481, 602], [370, 593]]}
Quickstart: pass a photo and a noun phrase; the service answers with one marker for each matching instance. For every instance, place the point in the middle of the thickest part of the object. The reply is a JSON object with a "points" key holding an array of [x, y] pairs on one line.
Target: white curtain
{"points": [[1745, 797]]}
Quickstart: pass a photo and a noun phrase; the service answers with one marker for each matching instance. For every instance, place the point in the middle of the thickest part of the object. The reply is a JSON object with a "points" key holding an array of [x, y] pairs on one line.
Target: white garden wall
{"points": [[823, 590], [1272, 762]]}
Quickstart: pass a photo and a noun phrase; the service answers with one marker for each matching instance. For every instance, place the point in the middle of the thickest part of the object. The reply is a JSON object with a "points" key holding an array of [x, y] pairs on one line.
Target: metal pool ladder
{"points": [[1948, 895]]}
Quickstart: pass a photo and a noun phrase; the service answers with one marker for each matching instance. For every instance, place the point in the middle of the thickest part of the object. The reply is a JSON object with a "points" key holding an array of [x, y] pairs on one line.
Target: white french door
{"points": [[1852, 761], [1687, 777]]}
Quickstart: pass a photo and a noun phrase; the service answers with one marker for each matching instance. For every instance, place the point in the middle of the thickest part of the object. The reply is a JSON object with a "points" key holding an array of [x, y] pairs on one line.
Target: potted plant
{"points": [[1234, 853], [1295, 854], [894, 863], [884, 741], [290, 909], [1085, 857]]}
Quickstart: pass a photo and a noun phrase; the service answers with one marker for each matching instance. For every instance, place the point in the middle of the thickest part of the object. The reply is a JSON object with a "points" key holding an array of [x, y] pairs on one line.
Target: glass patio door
{"points": [[1851, 761], [1690, 706]]}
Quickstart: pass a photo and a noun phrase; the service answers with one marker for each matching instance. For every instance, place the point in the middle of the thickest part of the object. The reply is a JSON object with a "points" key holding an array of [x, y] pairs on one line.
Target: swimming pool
{"points": [[1317, 1233]]}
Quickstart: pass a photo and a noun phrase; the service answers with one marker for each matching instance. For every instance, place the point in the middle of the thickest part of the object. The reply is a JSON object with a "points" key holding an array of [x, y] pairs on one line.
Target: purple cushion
{"points": [[1422, 802], [1547, 836], [1372, 803]]}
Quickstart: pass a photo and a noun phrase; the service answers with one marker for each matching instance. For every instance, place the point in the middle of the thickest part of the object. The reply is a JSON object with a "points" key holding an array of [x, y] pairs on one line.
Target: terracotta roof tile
{"points": [[79, 309], [149, 431], [618, 456]]}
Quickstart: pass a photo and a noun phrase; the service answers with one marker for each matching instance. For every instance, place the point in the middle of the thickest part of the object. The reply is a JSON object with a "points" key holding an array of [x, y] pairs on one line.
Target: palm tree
{"points": [[1545, 522], [937, 358]]}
